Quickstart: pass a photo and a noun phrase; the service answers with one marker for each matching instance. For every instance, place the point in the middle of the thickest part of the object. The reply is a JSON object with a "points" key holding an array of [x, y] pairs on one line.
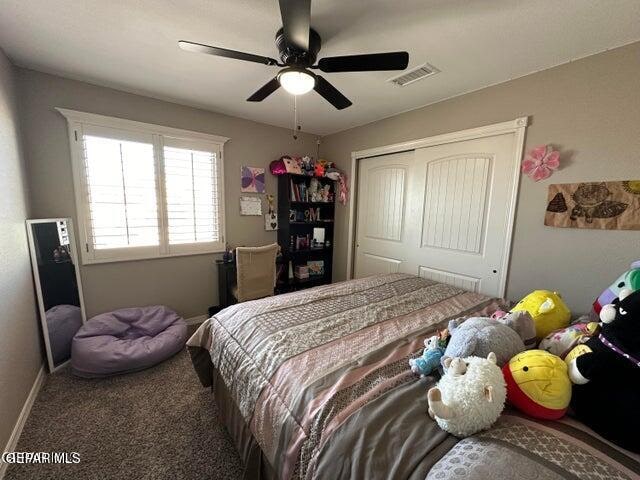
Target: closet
{"points": [[444, 212]]}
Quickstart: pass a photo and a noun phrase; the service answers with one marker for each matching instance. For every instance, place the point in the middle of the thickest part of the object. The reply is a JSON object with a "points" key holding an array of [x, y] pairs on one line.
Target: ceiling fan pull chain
{"points": [[296, 127]]}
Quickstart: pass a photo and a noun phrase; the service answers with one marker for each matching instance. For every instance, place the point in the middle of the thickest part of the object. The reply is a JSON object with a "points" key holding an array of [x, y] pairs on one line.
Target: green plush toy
{"points": [[629, 280]]}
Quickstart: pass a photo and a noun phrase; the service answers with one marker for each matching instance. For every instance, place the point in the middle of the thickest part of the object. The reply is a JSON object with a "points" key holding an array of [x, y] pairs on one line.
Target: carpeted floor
{"points": [[155, 424]]}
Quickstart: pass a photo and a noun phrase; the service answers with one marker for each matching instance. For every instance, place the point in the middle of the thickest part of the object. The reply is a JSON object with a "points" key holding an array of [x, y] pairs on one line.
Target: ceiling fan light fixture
{"points": [[296, 82]]}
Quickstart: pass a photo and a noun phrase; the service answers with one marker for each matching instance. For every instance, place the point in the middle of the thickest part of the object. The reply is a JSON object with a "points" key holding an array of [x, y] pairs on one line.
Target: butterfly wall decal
{"points": [[252, 180]]}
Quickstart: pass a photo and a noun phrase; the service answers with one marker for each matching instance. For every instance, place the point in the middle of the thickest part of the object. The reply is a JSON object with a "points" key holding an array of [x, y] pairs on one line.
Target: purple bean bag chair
{"points": [[63, 321], [126, 340]]}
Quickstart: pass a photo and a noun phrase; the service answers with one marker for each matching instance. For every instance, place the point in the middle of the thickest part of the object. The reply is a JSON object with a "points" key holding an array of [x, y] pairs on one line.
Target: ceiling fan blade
{"points": [[331, 93], [223, 52], [365, 63], [296, 16], [264, 91]]}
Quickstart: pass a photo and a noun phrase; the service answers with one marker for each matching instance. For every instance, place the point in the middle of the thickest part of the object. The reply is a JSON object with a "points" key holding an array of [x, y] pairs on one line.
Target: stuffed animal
{"points": [[606, 393], [498, 314], [430, 358], [343, 197], [547, 309], [307, 165], [469, 397], [538, 384], [561, 342], [478, 336], [332, 173], [292, 165], [325, 193], [277, 167], [629, 279], [315, 190]]}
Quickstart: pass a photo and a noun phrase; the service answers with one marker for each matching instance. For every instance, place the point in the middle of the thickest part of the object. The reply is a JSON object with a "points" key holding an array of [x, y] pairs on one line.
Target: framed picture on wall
{"points": [[250, 206], [270, 221], [252, 180]]}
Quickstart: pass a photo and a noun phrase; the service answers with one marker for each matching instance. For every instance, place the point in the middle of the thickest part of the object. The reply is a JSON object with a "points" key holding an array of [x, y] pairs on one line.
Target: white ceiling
{"points": [[132, 46]]}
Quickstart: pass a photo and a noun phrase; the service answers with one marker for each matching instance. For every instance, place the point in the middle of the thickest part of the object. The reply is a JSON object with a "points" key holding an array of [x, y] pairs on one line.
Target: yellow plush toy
{"points": [[538, 384], [576, 352], [547, 309]]}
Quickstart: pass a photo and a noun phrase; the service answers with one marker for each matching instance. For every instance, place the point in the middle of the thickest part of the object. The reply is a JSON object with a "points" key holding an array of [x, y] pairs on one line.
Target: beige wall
{"points": [[187, 284], [590, 109], [20, 354]]}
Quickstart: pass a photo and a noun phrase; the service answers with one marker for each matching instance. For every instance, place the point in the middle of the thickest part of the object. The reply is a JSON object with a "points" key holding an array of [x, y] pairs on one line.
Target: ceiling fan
{"points": [[299, 45]]}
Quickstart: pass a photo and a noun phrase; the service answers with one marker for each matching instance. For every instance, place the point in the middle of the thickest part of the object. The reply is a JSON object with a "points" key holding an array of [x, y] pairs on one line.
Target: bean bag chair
{"points": [[126, 340], [63, 321]]}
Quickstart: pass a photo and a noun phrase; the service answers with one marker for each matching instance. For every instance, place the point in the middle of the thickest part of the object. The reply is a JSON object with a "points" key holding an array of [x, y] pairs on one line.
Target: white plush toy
{"points": [[470, 395], [315, 190]]}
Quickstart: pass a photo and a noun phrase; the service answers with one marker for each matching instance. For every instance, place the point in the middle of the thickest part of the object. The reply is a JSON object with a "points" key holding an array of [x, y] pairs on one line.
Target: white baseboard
{"points": [[22, 418], [195, 320]]}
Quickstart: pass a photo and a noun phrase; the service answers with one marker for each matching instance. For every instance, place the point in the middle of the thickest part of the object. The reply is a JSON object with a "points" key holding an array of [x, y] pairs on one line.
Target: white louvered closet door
{"points": [[454, 205]]}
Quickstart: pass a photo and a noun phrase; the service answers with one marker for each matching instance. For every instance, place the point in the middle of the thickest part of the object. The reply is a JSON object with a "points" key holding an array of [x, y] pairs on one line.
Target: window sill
{"points": [[133, 258]]}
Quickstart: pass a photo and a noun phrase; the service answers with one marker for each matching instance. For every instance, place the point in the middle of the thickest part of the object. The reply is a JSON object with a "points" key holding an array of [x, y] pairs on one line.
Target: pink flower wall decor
{"points": [[540, 162]]}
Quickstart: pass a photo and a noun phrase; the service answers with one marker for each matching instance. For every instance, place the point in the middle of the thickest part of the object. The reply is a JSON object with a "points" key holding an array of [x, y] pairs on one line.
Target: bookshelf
{"points": [[296, 230]]}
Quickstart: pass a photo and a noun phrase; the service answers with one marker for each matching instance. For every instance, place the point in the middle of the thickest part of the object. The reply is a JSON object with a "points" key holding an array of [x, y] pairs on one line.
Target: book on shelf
{"points": [[299, 191]]}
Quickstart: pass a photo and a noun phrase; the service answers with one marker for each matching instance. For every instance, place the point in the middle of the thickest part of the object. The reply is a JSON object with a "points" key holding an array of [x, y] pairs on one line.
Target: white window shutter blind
{"points": [[193, 194], [122, 206], [145, 191]]}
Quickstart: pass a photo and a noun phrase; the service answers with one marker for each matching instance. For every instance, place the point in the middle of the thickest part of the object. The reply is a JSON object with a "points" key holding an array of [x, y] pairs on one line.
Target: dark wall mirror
{"points": [[58, 287]]}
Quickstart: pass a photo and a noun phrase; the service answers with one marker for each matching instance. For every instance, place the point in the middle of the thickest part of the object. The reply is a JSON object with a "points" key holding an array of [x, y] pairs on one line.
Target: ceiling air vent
{"points": [[415, 74]]}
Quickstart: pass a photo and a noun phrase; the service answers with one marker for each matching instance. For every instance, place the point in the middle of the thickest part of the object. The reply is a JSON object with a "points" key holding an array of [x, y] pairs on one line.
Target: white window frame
{"points": [[77, 122]]}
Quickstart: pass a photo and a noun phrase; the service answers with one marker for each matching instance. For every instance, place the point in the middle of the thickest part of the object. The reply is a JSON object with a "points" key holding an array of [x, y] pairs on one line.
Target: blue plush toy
{"points": [[430, 359]]}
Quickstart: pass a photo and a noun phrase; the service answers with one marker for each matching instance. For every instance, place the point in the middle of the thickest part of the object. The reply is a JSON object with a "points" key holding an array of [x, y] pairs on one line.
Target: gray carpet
{"points": [[155, 424]]}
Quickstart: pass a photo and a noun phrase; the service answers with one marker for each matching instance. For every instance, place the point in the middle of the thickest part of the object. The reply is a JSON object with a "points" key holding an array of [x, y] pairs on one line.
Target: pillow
{"points": [[561, 342]]}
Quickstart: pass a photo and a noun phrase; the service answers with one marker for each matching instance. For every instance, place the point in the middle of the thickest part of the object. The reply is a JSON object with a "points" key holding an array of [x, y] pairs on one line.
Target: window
{"points": [[121, 192], [192, 196], [145, 191]]}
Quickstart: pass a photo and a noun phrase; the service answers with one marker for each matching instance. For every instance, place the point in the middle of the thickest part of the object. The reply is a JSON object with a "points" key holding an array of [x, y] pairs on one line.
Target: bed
{"points": [[316, 384]]}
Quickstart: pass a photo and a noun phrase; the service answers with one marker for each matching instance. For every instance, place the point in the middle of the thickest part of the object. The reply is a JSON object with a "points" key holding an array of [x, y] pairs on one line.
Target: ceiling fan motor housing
{"points": [[296, 57]]}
